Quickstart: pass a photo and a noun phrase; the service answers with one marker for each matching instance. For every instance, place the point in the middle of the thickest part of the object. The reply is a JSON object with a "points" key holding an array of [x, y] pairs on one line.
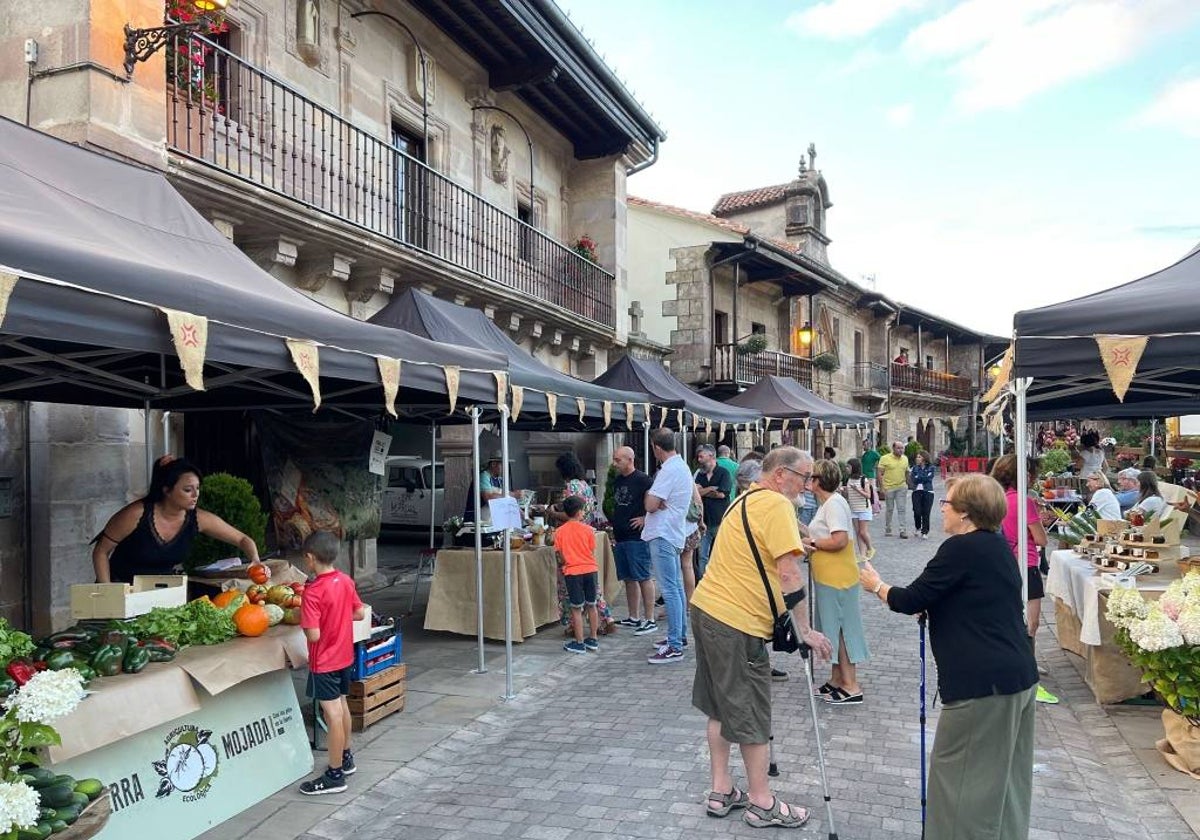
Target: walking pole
{"points": [[812, 704], [921, 624]]}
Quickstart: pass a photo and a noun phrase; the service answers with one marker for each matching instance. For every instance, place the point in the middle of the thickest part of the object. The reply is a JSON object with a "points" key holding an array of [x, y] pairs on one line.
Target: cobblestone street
{"points": [[606, 746]]}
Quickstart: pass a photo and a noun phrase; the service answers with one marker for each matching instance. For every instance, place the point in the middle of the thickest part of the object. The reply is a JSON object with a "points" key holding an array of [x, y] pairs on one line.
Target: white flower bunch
{"points": [[1126, 606], [49, 695], [1156, 631], [19, 806], [1108, 441], [1189, 624]]}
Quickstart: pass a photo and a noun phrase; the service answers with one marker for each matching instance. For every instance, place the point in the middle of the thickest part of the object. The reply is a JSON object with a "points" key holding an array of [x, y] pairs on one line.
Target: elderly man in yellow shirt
{"points": [[892, 474]]}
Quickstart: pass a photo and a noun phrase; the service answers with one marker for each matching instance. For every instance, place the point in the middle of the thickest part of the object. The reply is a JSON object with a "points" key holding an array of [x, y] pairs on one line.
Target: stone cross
{"points": [[812, 156], [635, 317]]}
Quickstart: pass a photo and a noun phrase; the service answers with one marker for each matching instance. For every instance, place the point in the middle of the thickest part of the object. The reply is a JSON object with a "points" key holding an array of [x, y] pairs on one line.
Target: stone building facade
{"points": [[758, 265], [351, 151]]}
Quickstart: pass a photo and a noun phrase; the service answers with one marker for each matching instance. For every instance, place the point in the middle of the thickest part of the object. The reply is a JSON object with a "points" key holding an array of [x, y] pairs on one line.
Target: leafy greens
{"points": [[194, 623], [13, 643]]}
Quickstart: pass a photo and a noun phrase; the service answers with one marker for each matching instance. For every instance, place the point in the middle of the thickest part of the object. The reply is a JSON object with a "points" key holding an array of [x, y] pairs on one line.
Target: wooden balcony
{"points": [[249, 124], [934, 383], [732, 368]]}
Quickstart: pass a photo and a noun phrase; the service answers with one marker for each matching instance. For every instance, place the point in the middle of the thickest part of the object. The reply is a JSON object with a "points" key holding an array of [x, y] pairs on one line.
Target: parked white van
{"points": [[406, 494]]}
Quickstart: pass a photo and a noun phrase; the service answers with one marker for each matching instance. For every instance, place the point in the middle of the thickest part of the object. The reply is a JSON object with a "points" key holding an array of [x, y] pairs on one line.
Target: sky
{"points": [[982, 156]]}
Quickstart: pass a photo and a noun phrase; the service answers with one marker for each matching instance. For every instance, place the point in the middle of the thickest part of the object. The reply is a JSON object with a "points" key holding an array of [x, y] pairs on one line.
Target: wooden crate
{"points": [[376, 697], [123, 600]]}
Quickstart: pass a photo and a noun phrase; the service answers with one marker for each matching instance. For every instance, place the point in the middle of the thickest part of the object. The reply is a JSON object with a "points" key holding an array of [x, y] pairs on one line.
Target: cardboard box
{"points": [[124, 600], [362, 629]]}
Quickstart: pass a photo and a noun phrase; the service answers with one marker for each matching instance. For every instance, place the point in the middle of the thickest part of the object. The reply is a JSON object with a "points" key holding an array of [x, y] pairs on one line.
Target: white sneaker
{"points": [[646, 627]]}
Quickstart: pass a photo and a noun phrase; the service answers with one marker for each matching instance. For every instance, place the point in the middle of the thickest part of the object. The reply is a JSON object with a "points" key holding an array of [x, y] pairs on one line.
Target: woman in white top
{"points": [[1091, 454], [860, 493], [1103, 499], [1150, 502]]}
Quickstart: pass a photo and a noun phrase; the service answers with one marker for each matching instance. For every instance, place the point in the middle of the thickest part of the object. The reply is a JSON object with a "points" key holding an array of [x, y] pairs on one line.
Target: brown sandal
{"points": [[734, 799], [773, 817]]}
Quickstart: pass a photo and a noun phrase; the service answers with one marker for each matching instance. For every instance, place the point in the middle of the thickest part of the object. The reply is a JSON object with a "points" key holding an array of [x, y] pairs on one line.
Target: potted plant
{"points": [[450, 528], [1162, 639], [1055, 461], [753, 344], [585, 247], [232, 499], [827, 362]]}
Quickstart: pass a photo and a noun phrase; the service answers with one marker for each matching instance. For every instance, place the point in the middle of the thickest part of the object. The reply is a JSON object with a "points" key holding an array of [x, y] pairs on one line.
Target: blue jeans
{"points": [[667, 573], [704, 552]]}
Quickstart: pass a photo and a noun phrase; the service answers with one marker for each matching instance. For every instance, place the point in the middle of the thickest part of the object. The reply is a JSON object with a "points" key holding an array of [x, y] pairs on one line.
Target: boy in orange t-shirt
{"points": [[575, 543]]}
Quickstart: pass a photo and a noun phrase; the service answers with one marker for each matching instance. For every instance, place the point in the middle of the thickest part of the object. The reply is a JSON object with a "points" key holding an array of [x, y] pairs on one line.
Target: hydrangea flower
{"points": [[1189, 624], [49, 695], [1156, 631], [19, 806], [1172, 603], [1126, 606]]}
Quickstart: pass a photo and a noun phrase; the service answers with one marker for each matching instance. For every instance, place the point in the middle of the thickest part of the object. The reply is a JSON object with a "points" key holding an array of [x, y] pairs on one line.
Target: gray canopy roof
{"points": [[783, 398], [1056, 346], [632, 374], [423, 315], [100, 245]]}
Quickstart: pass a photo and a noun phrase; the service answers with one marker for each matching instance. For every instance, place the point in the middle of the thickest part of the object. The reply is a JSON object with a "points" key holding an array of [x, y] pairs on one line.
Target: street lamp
{"points": [[424, 76], [805, 334], [528, 140], [140, 44]]}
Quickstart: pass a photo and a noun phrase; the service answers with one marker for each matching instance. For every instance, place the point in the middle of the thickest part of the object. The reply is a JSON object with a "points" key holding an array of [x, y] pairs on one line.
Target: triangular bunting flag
{"points": [[518, 395], [953, 421], [453, 374], [389, 374], [707, 426], [662, 421], [552, 408], [7, 282], [678, 417], [501, 387], [1121, 354], [581, 404], [646, 421], [695, 422], [804, 424], [629, 416], [188, 332], [607, 406], [307, 361], [722, 431], [786, 422]]}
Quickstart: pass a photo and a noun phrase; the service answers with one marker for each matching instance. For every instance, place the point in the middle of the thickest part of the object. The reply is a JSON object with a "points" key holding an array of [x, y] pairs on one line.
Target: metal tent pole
{"points": [[149, 445], [432, 482], [508, 649], [1020, 386], [1153, 435], [646, 446], [474, 488]]}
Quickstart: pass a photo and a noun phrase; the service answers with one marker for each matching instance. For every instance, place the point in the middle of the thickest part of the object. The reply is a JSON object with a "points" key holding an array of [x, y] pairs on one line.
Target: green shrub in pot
{"points": [[232, 499]]}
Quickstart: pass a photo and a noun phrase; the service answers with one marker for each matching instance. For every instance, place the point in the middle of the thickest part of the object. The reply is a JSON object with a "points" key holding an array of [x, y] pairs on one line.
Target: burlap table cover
{"points": [[534, 590], [1067, 626]]}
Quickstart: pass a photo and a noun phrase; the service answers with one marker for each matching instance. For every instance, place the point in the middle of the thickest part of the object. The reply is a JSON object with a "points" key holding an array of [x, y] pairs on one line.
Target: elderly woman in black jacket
{"points": [[981, 767]]}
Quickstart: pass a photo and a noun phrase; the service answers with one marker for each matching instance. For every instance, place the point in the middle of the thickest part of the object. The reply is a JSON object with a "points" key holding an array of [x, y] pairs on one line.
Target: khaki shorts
{"points": [[733, 679]]}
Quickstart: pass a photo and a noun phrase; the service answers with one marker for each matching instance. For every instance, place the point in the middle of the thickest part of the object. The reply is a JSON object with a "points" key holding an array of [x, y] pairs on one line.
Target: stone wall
{"points": [[13, 500], [692, 337]]}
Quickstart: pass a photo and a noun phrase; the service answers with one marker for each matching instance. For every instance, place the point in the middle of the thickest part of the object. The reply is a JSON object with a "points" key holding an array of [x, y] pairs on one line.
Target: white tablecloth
{"points": [[1076, 582]]}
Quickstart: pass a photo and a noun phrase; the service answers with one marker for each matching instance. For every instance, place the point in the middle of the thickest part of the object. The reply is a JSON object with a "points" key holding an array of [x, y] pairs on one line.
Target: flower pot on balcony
{"points": [[827, 362]]}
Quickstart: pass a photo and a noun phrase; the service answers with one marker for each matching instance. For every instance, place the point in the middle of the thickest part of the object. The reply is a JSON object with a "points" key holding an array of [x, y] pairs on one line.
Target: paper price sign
{"points": [[381, 444], [506, 513]]}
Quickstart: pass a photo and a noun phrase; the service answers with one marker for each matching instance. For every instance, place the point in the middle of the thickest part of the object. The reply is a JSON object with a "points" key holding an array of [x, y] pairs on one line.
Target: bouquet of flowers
{"points": [[24, 727], [1108, 442], [1162, 638]]}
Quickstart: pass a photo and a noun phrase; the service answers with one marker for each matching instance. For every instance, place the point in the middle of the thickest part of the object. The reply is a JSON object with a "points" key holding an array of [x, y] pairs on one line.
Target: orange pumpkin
{"points": [[259, 573], [228, 598], [251, 620]]}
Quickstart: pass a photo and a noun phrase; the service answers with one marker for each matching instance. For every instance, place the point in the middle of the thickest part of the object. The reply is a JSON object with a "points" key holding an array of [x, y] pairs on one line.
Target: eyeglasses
{"points": [[944, 502], [805, 477]]}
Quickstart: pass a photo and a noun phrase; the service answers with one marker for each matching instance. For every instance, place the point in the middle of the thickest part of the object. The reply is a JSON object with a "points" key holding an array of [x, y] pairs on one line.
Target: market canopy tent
{"points": [[97, 255], [782, 399], [1143, 335], [540, 386], [630, 374]]}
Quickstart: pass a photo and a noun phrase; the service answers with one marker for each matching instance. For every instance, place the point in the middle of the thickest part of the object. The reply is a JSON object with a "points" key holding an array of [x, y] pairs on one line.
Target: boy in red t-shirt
{"points": [[327, 614], [575, 543]]}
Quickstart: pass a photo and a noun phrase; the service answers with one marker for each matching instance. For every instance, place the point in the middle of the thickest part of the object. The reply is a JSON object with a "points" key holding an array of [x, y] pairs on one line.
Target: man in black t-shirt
{"points": [[716, 486], [632, 555]]}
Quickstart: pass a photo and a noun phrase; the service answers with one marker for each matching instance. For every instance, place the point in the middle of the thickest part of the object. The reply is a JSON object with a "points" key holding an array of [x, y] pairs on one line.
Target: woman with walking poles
{"points": [[981, 767]]}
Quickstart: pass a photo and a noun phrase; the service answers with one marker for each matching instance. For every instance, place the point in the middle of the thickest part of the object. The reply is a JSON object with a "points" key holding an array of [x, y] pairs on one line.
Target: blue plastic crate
{"points": [[371, 658]]}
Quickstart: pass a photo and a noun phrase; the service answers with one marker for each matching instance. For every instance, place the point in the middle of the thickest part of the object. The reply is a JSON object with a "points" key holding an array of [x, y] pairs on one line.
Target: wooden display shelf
{"points": [[376, 697]]}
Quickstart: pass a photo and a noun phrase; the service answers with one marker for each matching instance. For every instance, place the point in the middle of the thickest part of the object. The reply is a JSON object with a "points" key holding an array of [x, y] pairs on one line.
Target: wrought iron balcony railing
{"points": [[731, 367], [868, 376], [229, 114], [920, 380]]}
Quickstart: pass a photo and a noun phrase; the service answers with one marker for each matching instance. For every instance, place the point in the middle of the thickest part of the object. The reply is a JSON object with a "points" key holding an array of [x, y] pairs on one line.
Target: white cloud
{"points": [[900, 115], [1177, 108], [1005, 51], [846, 19]]}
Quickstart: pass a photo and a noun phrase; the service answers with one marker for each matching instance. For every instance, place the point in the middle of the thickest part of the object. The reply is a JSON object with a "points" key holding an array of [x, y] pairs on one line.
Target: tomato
{"points": [[259, 572]]}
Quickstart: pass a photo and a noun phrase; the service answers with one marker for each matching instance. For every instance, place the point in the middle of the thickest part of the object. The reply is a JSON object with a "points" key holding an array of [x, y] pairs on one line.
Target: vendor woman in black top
{"points": [[152, 536], [981, 767]]}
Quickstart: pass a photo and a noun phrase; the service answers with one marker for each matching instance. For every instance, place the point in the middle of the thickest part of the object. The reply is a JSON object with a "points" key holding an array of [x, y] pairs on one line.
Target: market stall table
{"points": [[1080, 601], [452, 605], [187, 744]]}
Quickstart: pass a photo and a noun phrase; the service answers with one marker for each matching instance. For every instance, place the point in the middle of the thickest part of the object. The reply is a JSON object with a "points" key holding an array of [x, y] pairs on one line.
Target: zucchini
{"points": [[58, 795]]}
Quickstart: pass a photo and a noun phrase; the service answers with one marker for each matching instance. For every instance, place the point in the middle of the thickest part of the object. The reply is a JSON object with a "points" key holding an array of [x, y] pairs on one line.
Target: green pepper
{"points": [[60, 659], [107, 660], [86, 671], [71, 634], [7, 685], [117, 639], [160, 651], [136, 658]]}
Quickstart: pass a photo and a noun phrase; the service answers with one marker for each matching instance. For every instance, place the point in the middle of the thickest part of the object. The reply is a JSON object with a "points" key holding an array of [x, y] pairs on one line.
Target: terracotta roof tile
{"points": [[746, 199], [726, 224]]}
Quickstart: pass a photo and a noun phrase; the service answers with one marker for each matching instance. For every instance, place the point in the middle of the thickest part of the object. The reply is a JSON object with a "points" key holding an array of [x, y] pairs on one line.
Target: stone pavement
{"points": [[607, 746]]}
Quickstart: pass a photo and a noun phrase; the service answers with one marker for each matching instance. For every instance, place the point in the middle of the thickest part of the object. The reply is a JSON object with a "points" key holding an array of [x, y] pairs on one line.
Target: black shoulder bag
{"points": [[784, 638]]}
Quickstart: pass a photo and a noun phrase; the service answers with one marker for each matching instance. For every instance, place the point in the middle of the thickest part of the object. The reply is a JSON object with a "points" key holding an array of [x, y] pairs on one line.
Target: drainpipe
{"points": [[646, 164]]}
